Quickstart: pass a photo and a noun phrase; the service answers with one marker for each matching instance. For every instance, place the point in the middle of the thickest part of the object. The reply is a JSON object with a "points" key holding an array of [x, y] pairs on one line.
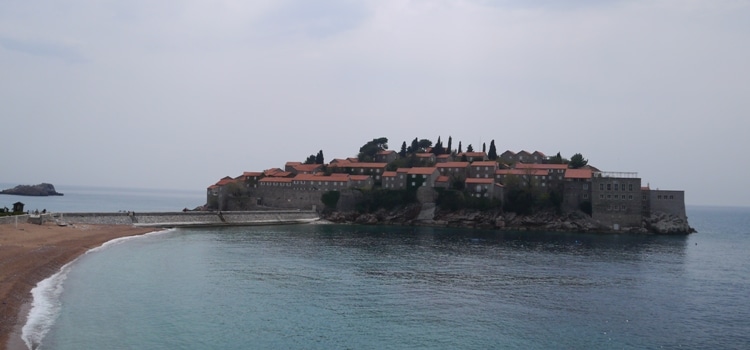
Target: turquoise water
{"points": [[354, 287]]}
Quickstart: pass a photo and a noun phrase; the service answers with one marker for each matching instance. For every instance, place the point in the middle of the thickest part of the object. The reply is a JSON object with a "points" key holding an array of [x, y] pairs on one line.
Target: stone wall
{"points": [[616, 201], [186, 219], [668, 202]]}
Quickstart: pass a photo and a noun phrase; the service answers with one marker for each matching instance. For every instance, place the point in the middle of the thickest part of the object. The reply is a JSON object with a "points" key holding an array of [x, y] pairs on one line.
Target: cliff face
{"points": [[43, 189], [413, 215]]}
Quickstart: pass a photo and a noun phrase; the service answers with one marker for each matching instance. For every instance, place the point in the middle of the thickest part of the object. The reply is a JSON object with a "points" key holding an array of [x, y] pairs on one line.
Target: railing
{"points": [[619, 174]]}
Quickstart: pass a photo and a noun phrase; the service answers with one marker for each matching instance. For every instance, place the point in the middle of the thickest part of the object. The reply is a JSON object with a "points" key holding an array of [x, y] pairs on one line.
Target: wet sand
{"points": [[30, 253]]}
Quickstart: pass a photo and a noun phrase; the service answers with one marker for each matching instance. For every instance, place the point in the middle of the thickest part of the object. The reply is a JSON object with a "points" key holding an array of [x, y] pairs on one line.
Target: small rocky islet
{"points": [[40, 190]]}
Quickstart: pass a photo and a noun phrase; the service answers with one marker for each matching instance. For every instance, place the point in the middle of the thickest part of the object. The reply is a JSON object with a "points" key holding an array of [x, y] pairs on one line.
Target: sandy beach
{"points": [[30, 253]]}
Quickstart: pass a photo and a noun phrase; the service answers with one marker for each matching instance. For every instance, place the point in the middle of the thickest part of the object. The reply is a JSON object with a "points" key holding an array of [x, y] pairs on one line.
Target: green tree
{"points": [[330, 199], [367, 151], [493, 151], [459, 147], [414, 148], [424, 144], [319, 158], [449, 149], [484, 147], [577, 161], [469, 148], [402, 152], [310, 159]]}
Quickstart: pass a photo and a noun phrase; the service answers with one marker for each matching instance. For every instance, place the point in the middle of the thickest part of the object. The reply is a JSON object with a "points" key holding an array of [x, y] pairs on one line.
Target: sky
{"points": [[178, 94]]}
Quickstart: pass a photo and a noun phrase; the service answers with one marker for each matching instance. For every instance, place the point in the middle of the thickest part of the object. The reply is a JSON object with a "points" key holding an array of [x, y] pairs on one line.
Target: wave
{"points": [[46, 304]]}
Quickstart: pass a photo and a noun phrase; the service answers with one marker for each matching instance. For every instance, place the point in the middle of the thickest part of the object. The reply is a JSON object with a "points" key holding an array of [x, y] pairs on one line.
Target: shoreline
{"points": [[30, 253]]}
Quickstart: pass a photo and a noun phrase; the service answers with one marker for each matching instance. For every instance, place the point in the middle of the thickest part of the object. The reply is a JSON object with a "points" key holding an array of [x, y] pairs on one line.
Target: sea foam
{"points": [[46, 304]]}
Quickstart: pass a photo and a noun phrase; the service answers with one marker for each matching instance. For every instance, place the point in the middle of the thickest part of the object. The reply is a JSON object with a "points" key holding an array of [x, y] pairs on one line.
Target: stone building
{"points": [[483, 169], [576, 189], [616, 199]]}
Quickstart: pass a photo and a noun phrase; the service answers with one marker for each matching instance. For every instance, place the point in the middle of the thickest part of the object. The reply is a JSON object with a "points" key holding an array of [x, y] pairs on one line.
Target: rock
{"points": [[43, 189]]}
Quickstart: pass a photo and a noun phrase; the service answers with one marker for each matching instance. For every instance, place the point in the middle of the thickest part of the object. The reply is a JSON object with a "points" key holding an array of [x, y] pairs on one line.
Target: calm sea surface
{"points": [[103, 199], [355, 287]]}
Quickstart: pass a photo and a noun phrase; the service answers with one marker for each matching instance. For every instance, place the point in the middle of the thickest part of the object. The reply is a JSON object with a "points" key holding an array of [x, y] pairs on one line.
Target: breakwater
{"points": [[183, 219]]}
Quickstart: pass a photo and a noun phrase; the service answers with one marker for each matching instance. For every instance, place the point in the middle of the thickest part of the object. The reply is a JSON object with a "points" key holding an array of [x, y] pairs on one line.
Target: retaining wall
{"points": [[187, 219]]}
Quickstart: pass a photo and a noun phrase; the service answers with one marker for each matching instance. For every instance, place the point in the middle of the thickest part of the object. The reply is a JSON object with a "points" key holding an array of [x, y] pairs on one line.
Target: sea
{"points": [[326, 286]]}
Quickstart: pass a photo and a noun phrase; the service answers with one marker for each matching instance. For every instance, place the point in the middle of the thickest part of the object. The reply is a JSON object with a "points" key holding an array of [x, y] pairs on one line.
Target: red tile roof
{"points": [[311, 177], [578, 173], [425, 155], [442, 178], [307, 167], [453, 165], [252, 173], [276, 179], [361, 165], [540, 166], [484, 163], [390, 174], [359, 177], [422, 171]]}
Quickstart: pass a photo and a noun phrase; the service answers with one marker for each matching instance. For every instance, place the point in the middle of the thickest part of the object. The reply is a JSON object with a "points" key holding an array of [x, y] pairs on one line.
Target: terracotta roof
{"points": [[361, 165], [480, 180], [422, 171], [540, 166], [403, 170], [225, 180], [359, 177], [212, 187], [390, 174], [453, 165], [441, 156], [281, 174], [252, 173], [484, 163], [340, 175], [293, 163], [578, 173], [442, 178], [473, 154], [276, 179], [311, 177], [270, 172], [307, 167], [339, 161], [425, 155]]}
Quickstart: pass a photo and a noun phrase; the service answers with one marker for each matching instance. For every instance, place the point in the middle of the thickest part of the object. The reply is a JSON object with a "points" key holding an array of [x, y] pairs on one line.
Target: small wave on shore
{"points": [[46, 304]]}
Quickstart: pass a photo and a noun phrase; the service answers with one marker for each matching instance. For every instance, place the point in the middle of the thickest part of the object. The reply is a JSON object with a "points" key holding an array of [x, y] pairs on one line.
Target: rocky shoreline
{"points": [[413, 215], [40, 190]]}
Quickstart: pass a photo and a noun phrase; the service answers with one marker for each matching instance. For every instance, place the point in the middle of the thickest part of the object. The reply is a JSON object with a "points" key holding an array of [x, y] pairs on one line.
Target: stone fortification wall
{"points": [[186, 219], [668, 202]]}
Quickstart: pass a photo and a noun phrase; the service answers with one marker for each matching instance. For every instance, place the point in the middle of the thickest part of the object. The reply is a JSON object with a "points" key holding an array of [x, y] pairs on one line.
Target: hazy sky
{"points": [[177, 94]]}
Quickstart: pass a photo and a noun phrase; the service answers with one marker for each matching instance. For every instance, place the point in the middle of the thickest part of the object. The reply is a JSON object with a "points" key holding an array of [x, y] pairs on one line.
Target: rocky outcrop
{"points": [[667, 224], [43, 189], [414, 215]]}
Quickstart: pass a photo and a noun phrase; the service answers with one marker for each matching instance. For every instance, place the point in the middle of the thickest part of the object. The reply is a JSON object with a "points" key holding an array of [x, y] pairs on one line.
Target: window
{"points": [[601, 187], [609, 187], [630, 187], [630, 197], [585, 186], [413, 183], [616, 188], [623, 208], [658, 197], [671, 196]]}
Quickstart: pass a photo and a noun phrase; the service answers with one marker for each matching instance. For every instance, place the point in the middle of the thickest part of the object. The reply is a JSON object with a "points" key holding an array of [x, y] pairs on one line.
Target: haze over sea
{"points": [[376, 287]]}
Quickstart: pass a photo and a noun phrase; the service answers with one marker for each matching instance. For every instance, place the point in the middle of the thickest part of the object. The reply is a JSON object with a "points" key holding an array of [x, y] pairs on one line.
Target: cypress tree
{"points": [[493, 151]]}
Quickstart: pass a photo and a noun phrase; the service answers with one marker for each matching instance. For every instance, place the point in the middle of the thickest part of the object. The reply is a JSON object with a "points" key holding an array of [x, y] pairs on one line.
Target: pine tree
{"points": [[484, 147], [459, 147], [319, 158], [449, 149], [493, 151], [402, 153], [469, 149]]}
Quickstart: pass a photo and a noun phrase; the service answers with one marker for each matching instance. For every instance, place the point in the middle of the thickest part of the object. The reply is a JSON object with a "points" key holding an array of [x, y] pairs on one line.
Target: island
{"points": [[43, 189], [433, 184]]}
